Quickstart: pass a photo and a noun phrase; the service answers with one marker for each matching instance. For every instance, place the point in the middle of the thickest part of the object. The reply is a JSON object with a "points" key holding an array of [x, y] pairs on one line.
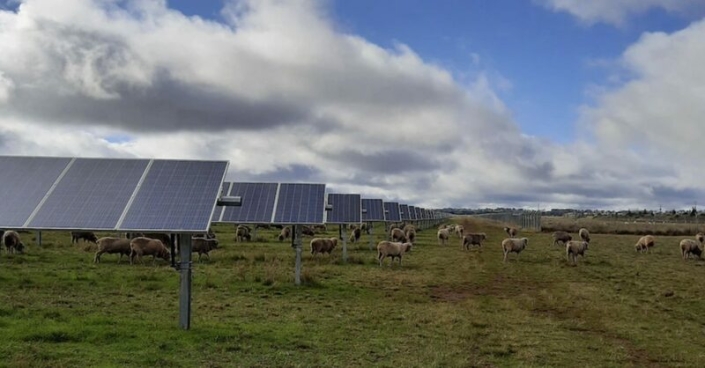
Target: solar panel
{"points": [[412, 213], [92, 194], [176, 196], [346, 208], [300, 204], [391, 210], [373, 210], [404, 212], [25, 182], [218, 213], [257, 203], [417, 211]]}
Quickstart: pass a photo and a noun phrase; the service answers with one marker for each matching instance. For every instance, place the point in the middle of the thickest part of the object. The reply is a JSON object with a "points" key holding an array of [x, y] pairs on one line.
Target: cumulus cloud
{"points": [[618, 11]]}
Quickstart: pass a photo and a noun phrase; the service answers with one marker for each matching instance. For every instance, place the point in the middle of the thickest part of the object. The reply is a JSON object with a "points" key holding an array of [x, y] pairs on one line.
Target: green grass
{"points": [[443, 308]]}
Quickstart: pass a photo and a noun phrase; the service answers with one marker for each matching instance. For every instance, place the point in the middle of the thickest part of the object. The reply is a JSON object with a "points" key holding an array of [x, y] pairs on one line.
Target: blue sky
{"points": [[567, 103]]}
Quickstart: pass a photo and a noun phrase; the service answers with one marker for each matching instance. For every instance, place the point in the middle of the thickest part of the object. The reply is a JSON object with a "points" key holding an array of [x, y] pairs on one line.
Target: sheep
{"points": [[142, 246], [700, 237], [203, 246], [365, 227], [397, 235], [85, 235], [574, 248], [690, 247], [645, 243], [112, 245], [12, 242], [392, 249], [459, 231], [409, 227], [443, 236], [512, 232], [242, 233], [451, 229], [584, 234], [515, 245], [471, 239], [355, 235], [323, 245], [410, 235], [442, 226], [307, 231], [285, 233], [561, 236]]}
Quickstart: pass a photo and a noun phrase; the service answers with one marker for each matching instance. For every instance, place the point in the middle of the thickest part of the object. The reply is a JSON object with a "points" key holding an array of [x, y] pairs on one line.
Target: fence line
{"points": [[523, 220]]}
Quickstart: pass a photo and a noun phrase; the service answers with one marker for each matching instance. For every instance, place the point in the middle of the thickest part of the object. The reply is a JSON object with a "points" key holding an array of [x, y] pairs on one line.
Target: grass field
{"points": [[443, 308]]}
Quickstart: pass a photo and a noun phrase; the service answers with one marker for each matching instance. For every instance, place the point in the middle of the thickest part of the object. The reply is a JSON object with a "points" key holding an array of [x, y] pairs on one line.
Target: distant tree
{"points": [[693, 212], [673, 211]]}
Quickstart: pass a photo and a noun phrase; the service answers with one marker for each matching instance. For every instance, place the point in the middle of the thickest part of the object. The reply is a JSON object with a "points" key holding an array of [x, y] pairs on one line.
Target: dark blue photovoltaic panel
{"points": [[25, 182], [373, 210], [404, 211], [391, 210], [417, 211], [176, 196], [224, 189], [412, 213], [346, 208], [92, 195], [257, 203], [300, 204]]}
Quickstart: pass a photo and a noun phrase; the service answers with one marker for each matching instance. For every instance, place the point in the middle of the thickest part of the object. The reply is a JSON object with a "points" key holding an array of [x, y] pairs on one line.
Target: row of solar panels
{"points": [[165, 195]]}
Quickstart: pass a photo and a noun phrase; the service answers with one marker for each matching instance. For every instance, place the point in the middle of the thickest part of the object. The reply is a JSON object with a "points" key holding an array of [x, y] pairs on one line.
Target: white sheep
{"points": [[515, 245], [392, 249], [584, 234], [112, 245], [323, 245], [512, 232], [459, 231], [690, 247], [645, 243], [443, 236], [397, 234], [574, 248]]}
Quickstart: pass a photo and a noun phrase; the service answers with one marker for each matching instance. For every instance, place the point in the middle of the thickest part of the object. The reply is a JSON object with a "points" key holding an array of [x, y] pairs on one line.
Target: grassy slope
{"points": [[444, 307]]}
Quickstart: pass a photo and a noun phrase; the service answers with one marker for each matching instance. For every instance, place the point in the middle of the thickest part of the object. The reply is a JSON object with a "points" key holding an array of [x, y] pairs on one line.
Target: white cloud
{"points": [[6, 86], [618, 11]]}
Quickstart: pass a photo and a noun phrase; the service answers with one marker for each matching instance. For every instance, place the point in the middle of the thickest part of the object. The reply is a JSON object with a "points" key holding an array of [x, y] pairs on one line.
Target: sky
{"points": [[453, 103]]}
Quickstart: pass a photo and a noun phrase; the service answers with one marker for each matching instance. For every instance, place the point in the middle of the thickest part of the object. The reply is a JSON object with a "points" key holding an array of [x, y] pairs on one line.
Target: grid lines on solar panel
{"points": [[91, 195], [391, 210], [257, 203], [373, 210], [417, 211], [29, 181], [346, 208], [176, 196], [224, 190], [300, 204], [412, 213], [404, 211]]}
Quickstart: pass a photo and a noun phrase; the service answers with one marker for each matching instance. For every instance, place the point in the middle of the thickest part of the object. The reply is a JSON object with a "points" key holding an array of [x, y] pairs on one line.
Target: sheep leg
{"points": [[96, 258], [505, 256]]}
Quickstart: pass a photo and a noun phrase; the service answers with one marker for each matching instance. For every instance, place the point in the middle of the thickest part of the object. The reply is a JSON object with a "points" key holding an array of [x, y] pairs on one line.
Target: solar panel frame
{"points": [[373, 210], [392, 212], [417, 211], [346, 209], [300, 204], [412, 213], [404, 212], [29, 181], [257, 203]]}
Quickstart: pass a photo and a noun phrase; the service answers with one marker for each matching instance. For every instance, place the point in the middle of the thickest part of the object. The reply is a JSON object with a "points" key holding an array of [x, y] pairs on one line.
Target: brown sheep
{"points": [[574, 248], [242, 233], [471, 239], [515, 245], [142, 246], [355, 235], [285, 233], [443, 236], [584, 234], [203, 246], [397, 235], [323, 245], [12, 242], [700, 237], [112, 245], [690, 247], [459, 230], [512, 232], [87, 236], [561, 236], [409, 227], [645, 243], [392, 249], [410, 235]]}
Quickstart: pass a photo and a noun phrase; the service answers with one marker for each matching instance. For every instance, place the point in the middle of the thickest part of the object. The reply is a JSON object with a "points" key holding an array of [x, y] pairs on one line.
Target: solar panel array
{"points": [[391, 210], [109, 194], [404, 212], [257, 203], [345, 209], [300, 204], [373, 210], [412, 213]]}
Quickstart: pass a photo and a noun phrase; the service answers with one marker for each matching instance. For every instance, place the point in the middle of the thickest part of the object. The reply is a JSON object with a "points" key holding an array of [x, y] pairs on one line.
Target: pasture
{"points": [[444, 307]]}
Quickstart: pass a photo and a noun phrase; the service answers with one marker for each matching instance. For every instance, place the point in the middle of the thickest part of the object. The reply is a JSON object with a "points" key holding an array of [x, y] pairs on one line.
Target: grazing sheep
{"points": [[366, 227], [307, 231], [355, 235], [442, 226], [397, 235], [285, 233], [700, 237], [392, 249], [112, 245], [471, 239], [690, 247], [512, 232], [443, 236], [323, 245], [85, 235], [515, 245], [203, 246], [561, 236], [409, 227], [142, 246], [459, 231], [574, 248], [242, 233], [12, 242], [410, 235], [584, 234], [451, 229], [645, 243]]}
